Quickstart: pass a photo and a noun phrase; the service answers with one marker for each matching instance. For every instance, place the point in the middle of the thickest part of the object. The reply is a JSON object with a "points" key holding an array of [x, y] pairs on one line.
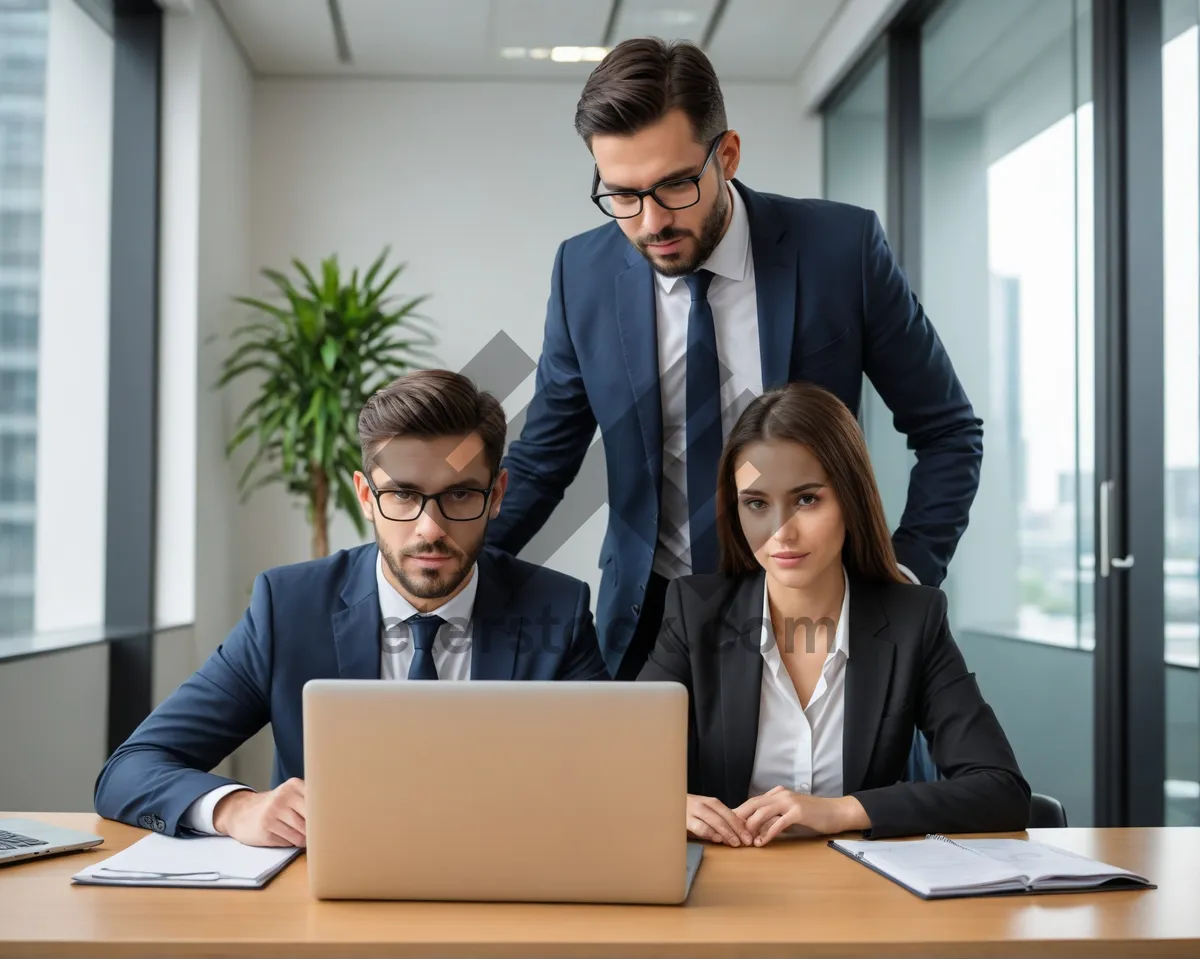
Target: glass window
{"points": [[1181, 394], [18, 391], [23, 44], [856, 172], [56, 127], [856, 143], [1006, 279], [18, 318]]}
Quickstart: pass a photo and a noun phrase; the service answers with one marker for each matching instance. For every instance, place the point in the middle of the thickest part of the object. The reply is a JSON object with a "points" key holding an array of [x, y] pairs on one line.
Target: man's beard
{"points": [[710, 236], [429, 583]]}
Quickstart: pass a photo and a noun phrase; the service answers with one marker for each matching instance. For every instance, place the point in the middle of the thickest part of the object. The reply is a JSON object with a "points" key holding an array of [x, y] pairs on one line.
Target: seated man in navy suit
{"points": [[426, 600]]}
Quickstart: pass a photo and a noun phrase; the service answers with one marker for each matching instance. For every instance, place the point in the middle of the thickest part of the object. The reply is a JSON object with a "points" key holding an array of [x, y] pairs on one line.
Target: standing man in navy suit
{"points": [[425, 601], [695, 296]]}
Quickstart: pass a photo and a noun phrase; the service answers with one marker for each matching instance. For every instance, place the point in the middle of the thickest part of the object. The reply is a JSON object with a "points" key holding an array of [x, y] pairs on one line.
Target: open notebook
{"points": [[939, 868], [207, 862]]}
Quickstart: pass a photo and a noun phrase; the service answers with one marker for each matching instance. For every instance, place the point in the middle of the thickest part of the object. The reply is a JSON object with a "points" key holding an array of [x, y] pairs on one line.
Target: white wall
{"points": [[73, 326], [474, 185]]}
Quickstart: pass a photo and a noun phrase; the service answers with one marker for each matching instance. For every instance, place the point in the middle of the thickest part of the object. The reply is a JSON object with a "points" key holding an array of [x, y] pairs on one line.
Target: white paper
{"points": [[1040, 861], [931, 866], [204, 861]]}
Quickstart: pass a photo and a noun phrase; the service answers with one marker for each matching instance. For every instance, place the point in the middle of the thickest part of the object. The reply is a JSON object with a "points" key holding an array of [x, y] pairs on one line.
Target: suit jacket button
{"points": [[159, 824], [147, 821], [637, 610]]}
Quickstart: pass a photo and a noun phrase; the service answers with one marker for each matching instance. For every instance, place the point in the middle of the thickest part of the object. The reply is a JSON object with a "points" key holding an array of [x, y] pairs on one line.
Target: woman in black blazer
{"points": [[810, 658]]}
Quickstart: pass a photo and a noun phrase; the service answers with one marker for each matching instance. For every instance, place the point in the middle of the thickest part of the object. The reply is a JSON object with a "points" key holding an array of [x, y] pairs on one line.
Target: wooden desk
{"points": [[796, 898]]}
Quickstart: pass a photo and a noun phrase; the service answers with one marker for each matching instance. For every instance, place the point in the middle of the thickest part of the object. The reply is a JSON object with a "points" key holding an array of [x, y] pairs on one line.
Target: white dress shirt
{"points": [[451, 656], [733, 298], [801, 749], [451, 650]]}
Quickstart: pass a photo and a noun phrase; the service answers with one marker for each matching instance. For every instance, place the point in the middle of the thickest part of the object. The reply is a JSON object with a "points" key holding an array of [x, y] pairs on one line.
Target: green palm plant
{"points": [[328, 345]]}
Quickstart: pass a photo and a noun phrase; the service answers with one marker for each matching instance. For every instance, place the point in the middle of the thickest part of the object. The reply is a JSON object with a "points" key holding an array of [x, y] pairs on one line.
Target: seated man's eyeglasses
{"points": [[459, 504], [675, 194]]}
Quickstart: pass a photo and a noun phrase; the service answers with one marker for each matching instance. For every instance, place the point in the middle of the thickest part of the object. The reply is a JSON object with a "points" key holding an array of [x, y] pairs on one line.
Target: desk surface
{"points": [[794, 898]]}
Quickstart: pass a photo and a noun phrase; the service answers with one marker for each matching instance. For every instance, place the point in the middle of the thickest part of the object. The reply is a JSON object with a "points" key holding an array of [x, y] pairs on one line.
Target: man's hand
{"points": [[766, 816], [274, 818], [711, 819]]}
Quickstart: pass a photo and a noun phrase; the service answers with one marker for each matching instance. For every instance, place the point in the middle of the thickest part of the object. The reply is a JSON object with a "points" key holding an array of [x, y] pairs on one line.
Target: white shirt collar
{"points": [[393, 606], [729, 257], [841, 636]]}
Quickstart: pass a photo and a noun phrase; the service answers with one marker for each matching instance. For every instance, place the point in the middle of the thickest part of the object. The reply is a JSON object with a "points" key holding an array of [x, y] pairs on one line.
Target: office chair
{"points": [[1046, 812], [920, 767]]}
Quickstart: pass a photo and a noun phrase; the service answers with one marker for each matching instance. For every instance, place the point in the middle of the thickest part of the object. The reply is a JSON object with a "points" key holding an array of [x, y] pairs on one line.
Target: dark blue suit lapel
{"points": [[637, 324], [776, 274], [495, 625], [356, 627]]}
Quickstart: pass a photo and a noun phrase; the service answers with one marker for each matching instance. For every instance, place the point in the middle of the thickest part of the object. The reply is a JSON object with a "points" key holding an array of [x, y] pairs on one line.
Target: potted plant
{"points": [[319, 354]]}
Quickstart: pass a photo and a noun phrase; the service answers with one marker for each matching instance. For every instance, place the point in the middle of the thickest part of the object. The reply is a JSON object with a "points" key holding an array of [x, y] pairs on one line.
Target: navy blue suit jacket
{"points": [[833, 305], [319, 620]]}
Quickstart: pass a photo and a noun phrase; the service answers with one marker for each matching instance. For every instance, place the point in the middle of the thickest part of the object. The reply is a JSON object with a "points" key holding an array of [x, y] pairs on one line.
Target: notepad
{"points": [[206, 862], [939, 868]]}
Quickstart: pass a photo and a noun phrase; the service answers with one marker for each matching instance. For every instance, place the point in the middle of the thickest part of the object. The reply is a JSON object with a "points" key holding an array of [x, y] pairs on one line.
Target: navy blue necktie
{"points": [[703, 431], [424, 631]]}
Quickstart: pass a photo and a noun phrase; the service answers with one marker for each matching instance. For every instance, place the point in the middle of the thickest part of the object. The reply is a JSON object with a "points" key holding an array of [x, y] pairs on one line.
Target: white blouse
{"points": [[801, 749]]}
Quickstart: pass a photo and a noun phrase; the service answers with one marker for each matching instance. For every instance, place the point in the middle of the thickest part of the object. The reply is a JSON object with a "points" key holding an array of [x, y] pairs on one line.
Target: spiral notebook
{"points": [[940, 868]]}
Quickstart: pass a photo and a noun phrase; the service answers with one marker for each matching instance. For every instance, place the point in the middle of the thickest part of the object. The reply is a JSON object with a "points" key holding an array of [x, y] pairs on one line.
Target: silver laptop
{"points": [[22, 839], [497, 791]]}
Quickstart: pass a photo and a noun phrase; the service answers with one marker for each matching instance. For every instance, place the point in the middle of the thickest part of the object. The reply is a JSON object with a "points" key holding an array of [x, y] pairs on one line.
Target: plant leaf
{"points": [[330, 350], [373, 271]]}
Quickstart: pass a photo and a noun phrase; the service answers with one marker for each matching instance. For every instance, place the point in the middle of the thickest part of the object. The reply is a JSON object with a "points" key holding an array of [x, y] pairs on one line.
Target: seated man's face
{"points": [[430, 553]]}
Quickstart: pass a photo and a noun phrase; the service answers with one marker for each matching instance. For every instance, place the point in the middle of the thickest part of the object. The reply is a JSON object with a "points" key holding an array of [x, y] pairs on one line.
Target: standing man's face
{"points": [[675, 241]]}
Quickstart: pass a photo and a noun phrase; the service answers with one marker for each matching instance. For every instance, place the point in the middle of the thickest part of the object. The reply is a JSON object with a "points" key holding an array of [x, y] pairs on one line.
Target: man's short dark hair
{"points": [[431, 404], [641, 80]]}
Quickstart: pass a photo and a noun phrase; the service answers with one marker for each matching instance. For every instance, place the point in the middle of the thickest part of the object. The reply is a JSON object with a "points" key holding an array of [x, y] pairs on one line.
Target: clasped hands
{"points": [[761, 818], [277, 818]]}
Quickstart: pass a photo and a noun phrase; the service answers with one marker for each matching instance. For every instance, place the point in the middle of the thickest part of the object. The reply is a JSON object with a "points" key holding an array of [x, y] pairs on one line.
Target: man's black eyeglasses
{"points": [[675, 194], [460, 504]]}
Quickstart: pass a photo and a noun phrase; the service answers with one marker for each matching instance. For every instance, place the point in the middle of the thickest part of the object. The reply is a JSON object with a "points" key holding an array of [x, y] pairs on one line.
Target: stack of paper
{"points": [[210, 862]]}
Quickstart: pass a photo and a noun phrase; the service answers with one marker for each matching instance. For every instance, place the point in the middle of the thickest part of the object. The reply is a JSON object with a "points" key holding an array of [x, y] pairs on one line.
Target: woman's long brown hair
{"points": [[813, 417]]}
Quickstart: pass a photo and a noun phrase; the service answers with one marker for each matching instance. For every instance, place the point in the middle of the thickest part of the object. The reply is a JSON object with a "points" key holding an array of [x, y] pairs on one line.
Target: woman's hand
{"points": [[711, 819], [766, 816]]}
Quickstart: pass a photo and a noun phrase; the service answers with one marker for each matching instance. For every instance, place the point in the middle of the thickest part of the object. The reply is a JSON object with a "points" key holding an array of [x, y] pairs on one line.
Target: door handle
{"points": [[1104, 548]]}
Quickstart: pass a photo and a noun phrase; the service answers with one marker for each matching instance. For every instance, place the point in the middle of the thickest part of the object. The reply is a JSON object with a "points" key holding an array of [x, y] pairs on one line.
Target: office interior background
{"points": [[1036, 164]]}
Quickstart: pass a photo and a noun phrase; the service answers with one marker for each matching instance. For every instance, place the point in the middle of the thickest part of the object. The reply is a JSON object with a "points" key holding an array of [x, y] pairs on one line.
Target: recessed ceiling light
{"points": [[595, 54], [566, 54], [513, 53], [539, 53], [678, 18]]}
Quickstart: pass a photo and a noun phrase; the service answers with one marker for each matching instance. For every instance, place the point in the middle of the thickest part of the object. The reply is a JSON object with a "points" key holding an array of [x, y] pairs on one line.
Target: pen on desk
{"points": [[203, 875]]}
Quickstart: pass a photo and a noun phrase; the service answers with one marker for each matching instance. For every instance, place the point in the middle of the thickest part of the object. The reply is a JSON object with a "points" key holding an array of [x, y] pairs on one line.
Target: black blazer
{"points": [[904, 669]]}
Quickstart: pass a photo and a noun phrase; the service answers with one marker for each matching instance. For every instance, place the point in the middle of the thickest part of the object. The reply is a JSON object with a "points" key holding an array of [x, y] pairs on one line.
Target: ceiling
{"points": [[751, 40]]}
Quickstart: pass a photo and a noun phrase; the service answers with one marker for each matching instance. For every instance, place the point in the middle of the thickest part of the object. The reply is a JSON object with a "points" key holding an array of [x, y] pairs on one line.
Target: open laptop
{"points": [[497, 791], [22, 839]]}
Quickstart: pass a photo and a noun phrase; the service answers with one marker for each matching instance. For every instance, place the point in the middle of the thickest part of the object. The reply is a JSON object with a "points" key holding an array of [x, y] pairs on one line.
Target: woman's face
{"points": [[789, 513]]}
